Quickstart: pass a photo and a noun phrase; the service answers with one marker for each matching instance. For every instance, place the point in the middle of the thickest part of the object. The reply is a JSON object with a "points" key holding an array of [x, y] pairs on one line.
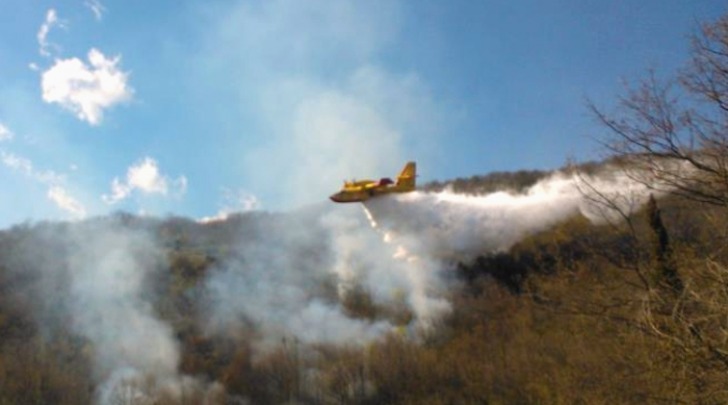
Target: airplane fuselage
{"points": [[350, 196], [362, 190]]}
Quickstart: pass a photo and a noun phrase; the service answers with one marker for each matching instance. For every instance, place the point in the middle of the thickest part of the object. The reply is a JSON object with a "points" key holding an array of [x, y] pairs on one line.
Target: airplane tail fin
{"points": [[407, 177]]}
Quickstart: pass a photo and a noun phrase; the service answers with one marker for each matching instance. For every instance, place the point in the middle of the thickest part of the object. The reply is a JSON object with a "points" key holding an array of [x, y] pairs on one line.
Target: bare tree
{"points": [[672, 134]]}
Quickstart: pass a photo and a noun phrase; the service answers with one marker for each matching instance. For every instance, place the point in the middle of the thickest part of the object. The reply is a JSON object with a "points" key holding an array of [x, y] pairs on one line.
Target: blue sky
{"points": [[202, 108]]}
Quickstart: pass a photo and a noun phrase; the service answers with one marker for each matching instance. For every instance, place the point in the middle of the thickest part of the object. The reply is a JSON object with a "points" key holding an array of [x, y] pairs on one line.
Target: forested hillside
{"points": [[598, 284], [577, 313]]}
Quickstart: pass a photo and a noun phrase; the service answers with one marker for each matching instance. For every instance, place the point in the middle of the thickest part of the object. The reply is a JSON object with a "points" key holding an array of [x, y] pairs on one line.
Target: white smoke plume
{"points": [[285, 275], [398, 250], [106, 288], [109, 275], [277, 284]]}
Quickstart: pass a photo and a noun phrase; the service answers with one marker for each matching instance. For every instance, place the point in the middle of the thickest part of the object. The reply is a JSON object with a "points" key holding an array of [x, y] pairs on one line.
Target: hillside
{"points": [[599, 283], [304, 307]]}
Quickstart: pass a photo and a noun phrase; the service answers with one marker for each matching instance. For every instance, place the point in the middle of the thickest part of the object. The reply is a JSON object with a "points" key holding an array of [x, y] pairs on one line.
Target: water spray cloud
{"points": [[447, 225], [399, 250]]}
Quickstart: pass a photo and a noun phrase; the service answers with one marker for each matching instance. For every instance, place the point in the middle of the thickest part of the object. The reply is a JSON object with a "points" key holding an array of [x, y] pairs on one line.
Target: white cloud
{"points": [[63, 200], [56, 193], [96, 7], [51, 21], [145, 177], [26, 167], [16, 162], [239, 201], [248, 202], [86, 90], [5, 133]]}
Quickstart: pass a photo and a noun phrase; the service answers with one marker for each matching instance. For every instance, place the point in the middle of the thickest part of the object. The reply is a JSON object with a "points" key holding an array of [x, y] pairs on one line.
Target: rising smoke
{"points": [[398, 248], [100, 279], [287, 275]]}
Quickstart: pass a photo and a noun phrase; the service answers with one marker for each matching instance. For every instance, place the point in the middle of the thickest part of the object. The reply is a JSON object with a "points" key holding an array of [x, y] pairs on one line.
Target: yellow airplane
{"points": [[362, 190]]}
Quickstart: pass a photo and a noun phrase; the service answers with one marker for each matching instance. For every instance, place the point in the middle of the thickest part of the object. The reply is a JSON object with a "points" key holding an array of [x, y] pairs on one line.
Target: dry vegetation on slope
{"points": [[562, 317], [633, 310]]}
